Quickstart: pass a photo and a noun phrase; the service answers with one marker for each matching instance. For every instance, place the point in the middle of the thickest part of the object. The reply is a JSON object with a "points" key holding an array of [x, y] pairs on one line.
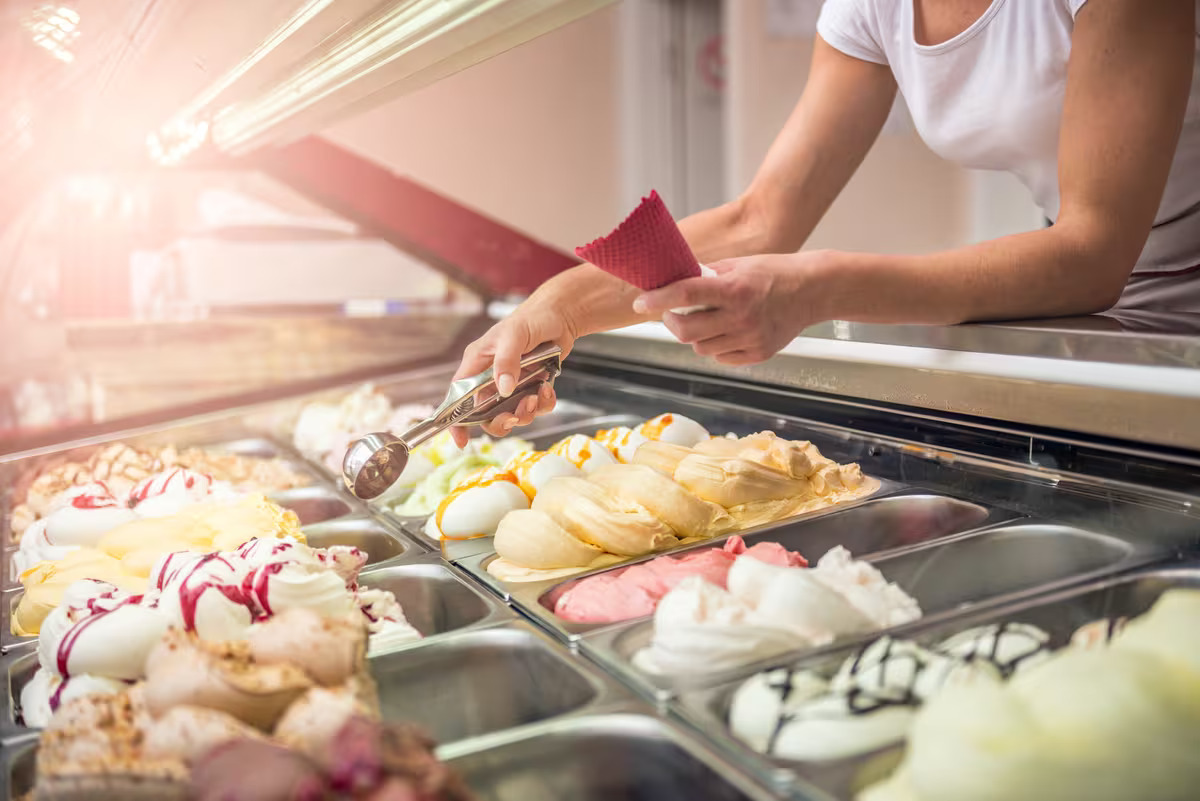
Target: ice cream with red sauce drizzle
{"points": [[100, 636], [81, 516], [117, 468], [126, 555]]}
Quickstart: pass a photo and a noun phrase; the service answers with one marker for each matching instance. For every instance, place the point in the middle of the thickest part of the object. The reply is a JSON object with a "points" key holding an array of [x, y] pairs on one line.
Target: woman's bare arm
{"points": [[1127, 91], [839, 116]]}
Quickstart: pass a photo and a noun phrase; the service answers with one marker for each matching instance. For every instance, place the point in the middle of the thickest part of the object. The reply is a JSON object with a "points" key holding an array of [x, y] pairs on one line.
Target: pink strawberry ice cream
{"points": [[635, 591]]}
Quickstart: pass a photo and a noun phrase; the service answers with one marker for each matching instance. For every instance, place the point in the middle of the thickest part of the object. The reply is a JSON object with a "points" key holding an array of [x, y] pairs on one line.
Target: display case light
{"points": [[54, 29], [399, 48], [175, 141]]}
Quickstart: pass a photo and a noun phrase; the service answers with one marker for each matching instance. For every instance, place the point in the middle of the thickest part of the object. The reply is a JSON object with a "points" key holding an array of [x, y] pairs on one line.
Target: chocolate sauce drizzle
{"points": [[885, 694]]}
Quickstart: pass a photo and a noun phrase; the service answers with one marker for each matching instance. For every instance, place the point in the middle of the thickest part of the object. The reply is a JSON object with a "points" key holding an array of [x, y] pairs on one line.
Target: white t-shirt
{"points": [[991, 98]]}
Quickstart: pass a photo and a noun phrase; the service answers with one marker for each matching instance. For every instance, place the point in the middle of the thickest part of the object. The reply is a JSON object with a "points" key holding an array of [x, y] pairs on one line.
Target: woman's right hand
{"points": [[534, 322]]}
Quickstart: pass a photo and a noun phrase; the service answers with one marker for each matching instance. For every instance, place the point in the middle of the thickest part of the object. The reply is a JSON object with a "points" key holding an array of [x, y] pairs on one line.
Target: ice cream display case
{"points": [[888, 563], [957, 553]]}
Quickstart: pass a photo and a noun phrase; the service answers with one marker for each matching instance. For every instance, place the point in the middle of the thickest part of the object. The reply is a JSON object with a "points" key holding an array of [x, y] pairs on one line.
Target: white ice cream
{"points": [[583, 452], [533, 469], [674, 429], [475, 511], [622, 441], [768, 610]]}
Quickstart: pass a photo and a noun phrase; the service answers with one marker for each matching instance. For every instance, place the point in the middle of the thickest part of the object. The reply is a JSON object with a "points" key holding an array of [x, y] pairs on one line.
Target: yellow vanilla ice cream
{"points": [[126, 555], [665, 495]]}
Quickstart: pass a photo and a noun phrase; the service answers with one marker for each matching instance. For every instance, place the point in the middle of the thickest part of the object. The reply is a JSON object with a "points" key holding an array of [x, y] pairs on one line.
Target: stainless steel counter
{"points": [[1132, 378]]}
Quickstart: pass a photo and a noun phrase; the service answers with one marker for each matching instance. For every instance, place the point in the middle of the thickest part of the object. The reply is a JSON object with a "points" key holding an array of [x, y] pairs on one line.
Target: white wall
{"points": [[903, 199], [529, 137]]}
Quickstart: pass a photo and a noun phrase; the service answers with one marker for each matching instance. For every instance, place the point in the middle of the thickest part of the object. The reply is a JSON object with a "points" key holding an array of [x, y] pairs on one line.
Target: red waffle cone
{"points": [[647, 250]]}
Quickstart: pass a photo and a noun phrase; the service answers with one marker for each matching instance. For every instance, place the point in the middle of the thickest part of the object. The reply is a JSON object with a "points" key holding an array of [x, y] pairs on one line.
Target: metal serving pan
{"points": [[382, 546], [1059, 615], [602, 757], [945, 578], [869, 528], [463, 686], [437, 600]]}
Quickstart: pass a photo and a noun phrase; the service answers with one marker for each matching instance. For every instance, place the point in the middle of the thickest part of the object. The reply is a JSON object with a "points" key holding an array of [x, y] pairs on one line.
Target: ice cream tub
{"points": [[380, 543], [975, 570], [601, 757], [436, 598], [869, 528], [488, 680], [315, 504], [1059, 616]]}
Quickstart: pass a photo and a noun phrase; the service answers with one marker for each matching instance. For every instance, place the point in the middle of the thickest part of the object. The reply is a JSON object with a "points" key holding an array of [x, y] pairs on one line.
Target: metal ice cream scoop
{"points": [[376, 461]]}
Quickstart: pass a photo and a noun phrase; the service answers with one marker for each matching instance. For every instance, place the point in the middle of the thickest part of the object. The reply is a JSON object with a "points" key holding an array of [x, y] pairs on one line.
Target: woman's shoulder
{"points": [[861, 28]]}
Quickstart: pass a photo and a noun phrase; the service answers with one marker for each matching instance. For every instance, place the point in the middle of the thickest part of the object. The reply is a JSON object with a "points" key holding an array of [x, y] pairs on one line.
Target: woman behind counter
{"points": [[1093, 104]]}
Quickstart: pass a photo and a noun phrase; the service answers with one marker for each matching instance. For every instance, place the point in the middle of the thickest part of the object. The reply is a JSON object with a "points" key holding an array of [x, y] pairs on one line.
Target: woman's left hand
{"points": [[754, 306]]}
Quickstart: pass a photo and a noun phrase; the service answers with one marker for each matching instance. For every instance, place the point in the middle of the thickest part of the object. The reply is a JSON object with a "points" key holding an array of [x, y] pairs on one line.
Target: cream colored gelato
{"points": [[686, 514], [668, 493], [595, 516]]}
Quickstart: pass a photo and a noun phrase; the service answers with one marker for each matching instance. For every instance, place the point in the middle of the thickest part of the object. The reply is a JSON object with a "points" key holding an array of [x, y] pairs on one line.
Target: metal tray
{"points": [[541, 437], [487, 680], [382, 546], [600, 758], [1059, 615], [438, 602], [977, 569], [868, 528], [316, 504], [624, 753]]}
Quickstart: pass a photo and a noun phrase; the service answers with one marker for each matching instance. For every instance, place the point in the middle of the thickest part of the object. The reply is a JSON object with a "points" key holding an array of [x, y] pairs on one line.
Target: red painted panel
{"points": [[474, 249]]}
